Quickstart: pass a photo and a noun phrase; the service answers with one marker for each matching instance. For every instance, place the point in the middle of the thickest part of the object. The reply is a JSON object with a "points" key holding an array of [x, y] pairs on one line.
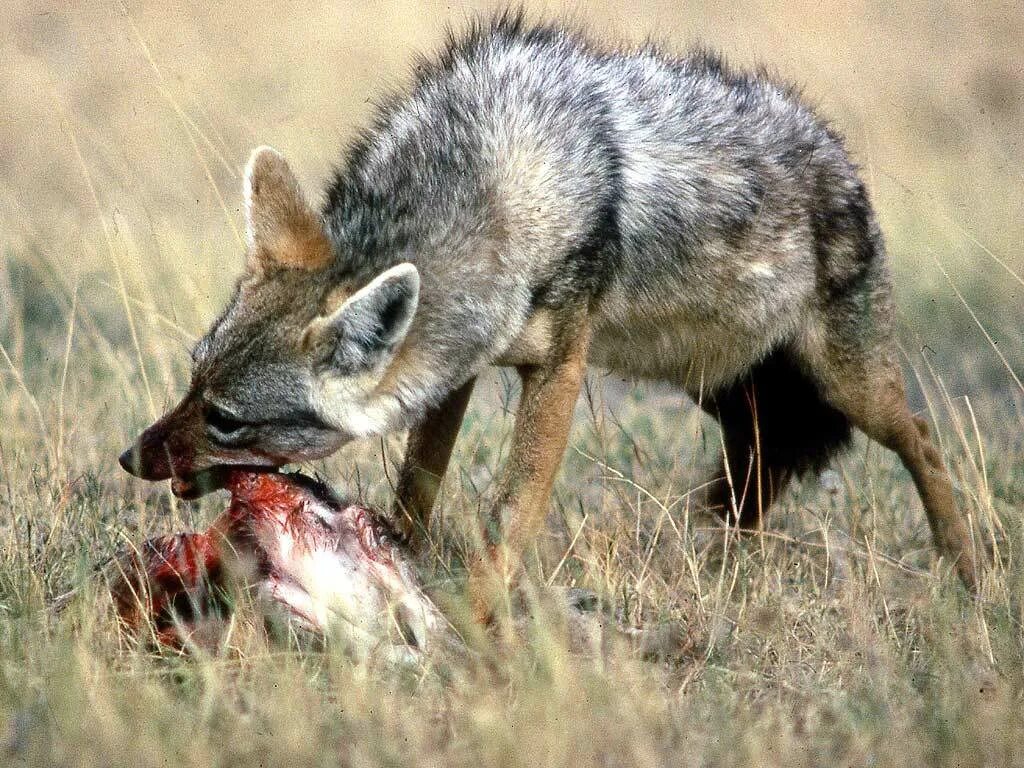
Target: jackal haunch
{"points": [[537, 201]]}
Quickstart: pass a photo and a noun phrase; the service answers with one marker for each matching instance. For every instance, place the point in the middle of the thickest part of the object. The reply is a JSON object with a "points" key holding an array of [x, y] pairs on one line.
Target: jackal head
{"points": [[291, 369]]}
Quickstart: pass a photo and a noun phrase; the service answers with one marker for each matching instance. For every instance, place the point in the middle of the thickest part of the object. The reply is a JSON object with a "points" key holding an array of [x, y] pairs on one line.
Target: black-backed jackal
{"points": [[539, 202]]}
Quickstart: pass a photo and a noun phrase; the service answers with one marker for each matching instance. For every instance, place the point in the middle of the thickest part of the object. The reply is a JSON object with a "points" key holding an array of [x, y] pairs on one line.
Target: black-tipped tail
{"points": [[776, 426]]}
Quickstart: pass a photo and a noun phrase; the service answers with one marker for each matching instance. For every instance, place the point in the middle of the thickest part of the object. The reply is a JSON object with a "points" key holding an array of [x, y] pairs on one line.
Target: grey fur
{"points": [[528, 168], [706, 223], [706, 216]]}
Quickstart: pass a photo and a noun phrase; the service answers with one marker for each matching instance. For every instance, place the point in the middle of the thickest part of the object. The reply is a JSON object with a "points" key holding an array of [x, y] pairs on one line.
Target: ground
{"points": [[833, 637]]}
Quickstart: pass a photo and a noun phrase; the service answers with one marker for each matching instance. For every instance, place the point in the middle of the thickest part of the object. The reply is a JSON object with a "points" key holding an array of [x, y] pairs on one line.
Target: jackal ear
{"points": [[282, 229], [364, 332]]}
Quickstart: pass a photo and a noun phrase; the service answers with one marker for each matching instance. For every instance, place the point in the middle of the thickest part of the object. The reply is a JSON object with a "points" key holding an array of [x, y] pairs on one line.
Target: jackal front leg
{"points": [[543, 419], [427, 453]]}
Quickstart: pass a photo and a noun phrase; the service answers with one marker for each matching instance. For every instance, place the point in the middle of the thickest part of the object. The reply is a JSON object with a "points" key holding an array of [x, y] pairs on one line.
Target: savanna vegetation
{"points": [[834, 637]]}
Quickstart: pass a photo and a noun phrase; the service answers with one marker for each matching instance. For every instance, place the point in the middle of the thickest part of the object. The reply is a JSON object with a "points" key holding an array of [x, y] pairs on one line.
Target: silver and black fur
{"points": [[539, 201]]}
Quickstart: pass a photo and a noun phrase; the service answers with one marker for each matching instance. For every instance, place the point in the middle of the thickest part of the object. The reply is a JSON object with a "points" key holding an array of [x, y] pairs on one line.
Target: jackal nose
{"points": [[127, 460]]}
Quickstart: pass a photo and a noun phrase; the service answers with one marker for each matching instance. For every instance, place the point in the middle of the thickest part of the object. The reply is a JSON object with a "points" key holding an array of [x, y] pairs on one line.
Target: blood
{"points": [[174, 583], [168, 582]]}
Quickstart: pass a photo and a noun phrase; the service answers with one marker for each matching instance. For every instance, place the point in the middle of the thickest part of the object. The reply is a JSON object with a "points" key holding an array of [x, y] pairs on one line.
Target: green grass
{"points": [[835, 637]]}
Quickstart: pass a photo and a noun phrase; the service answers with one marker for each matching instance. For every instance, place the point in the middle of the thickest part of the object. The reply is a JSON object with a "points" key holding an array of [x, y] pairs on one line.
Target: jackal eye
{"points": [[223, 422]]}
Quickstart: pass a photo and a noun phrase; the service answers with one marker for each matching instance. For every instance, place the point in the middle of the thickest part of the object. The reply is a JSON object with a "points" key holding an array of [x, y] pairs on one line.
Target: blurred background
{"points": [[125, 126]]}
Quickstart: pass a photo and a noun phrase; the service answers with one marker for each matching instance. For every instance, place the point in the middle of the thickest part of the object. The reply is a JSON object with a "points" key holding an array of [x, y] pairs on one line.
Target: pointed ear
{"points": [[282, 229], [364, 332]]}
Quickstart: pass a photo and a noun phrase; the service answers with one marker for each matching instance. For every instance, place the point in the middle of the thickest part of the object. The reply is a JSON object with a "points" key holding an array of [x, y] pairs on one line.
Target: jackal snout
{"points": [[164, 449], [175, 448]]}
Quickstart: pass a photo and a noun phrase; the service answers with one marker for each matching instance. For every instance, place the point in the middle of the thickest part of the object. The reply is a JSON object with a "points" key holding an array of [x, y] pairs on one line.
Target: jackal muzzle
{"points": [[177, 448]]}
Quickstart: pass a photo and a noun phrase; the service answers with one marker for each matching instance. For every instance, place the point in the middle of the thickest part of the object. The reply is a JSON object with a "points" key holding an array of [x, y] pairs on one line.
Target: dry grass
{"points": [[833, 638]]}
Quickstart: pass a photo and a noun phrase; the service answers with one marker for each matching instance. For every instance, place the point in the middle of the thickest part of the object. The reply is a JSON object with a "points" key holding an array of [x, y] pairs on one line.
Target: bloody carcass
{"points": [[313, 562]]}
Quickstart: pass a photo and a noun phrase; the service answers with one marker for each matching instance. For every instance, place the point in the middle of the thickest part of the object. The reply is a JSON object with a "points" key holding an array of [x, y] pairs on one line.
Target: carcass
{"points": [[316, 565]]}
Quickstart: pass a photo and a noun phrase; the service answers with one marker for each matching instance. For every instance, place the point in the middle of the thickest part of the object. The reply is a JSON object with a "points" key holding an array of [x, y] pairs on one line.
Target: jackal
{"points": [[535, 200]]}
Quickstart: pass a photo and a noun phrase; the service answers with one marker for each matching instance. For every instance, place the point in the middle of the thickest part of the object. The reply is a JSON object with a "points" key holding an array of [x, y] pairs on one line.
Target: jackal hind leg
{"points": [[427, 453], [869, 389], [541, 431]]}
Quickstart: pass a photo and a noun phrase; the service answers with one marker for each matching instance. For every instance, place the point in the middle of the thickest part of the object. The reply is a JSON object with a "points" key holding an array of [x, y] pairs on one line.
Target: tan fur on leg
{"points": [[877, 405], [427, 453], [949, 526], [541, 431]]}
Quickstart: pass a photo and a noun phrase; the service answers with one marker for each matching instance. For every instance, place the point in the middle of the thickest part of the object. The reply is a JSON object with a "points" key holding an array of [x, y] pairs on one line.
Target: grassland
{"points": [[833, 638]]}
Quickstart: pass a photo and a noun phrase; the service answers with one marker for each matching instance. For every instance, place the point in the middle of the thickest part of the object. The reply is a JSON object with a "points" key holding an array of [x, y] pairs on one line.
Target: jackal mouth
{"points": [[189, 487]]}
